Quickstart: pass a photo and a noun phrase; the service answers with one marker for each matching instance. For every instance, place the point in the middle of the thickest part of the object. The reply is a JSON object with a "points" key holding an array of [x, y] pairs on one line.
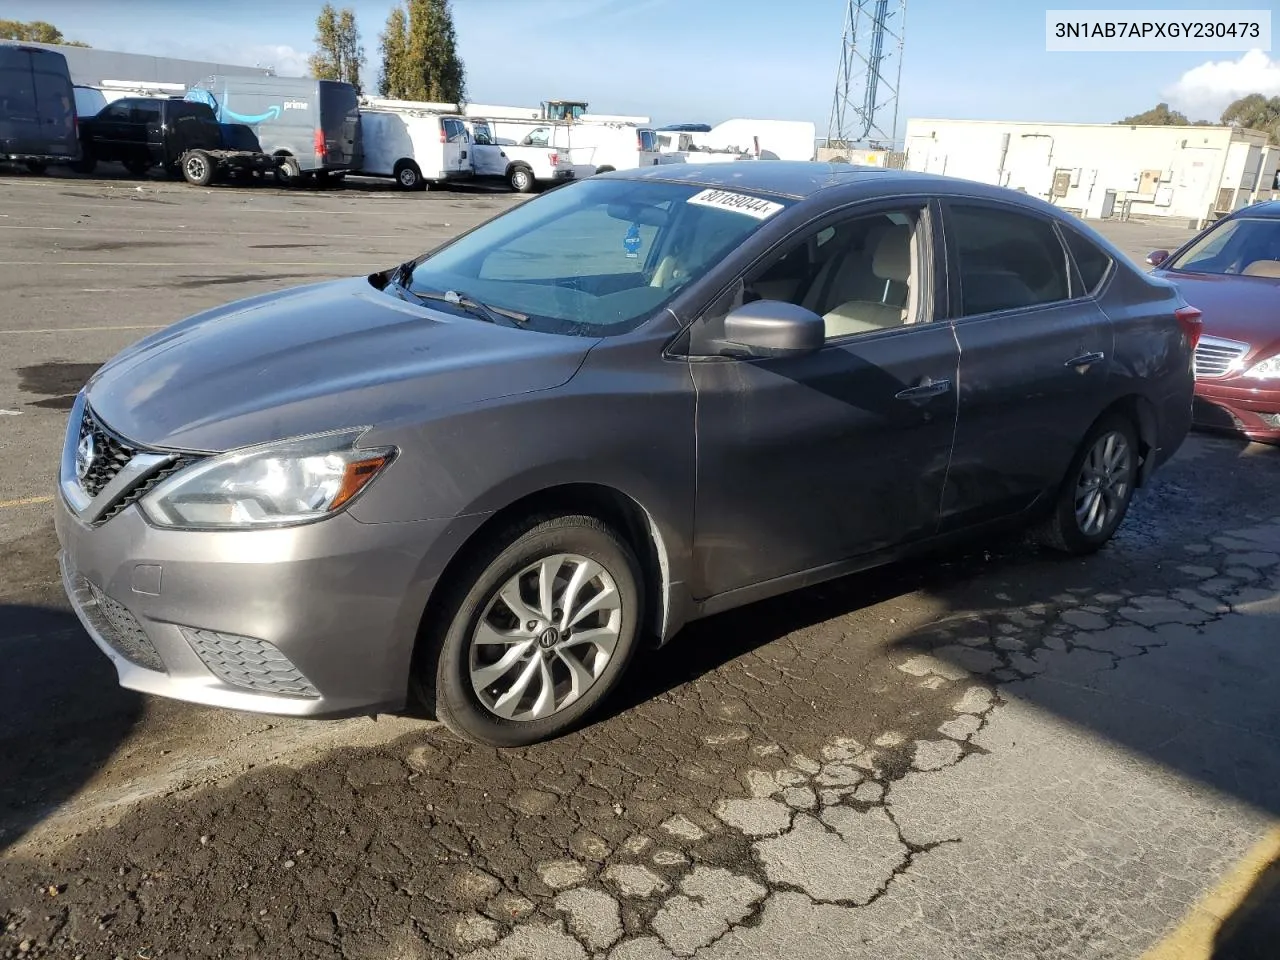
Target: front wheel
{"points": [[38, 167], [534, 634], [1098, 489]]}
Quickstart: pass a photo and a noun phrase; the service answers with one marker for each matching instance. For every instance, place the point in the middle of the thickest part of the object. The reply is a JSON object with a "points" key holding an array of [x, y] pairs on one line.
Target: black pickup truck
{"points": [[182, 137]]}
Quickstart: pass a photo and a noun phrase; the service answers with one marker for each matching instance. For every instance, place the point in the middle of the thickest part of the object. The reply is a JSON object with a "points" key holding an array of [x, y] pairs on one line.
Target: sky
{"points": [[705, 61]]}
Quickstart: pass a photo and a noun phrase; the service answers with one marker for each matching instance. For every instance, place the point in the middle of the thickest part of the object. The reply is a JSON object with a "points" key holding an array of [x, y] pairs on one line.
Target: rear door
{"points": [[19, 115], [145, 133], [340, 123], [1034, 350], [55, 104], [457, 156]]}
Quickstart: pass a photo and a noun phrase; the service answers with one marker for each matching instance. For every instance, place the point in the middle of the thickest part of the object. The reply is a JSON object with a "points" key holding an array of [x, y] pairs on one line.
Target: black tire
{"points": [[139, 168], [408, 176], [605, 169], [198, 168], [37, 167], [1063, 530], [173, 171], [521, 179], [288, 173], [441, 676]]}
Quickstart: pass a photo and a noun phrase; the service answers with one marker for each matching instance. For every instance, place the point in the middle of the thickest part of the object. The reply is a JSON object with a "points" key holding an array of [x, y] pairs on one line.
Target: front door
{"points": [[809, 461], [1034, 348], [487, 156]]}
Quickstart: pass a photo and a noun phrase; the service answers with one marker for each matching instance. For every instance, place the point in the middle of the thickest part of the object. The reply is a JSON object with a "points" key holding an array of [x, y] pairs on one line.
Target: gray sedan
{"points": [[481, 480]]}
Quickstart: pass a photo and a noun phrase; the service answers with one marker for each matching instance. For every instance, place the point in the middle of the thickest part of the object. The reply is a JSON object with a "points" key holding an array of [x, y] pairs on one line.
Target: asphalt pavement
{"points": [[993, 753]]}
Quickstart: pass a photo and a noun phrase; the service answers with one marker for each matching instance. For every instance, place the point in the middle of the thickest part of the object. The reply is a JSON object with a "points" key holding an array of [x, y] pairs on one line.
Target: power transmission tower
{"points": [[865, 109]]}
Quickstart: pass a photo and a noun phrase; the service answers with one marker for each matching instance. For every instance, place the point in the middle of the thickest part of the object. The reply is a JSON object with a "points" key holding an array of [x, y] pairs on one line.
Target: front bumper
{"points": [[316, 620], [1239, 406]]}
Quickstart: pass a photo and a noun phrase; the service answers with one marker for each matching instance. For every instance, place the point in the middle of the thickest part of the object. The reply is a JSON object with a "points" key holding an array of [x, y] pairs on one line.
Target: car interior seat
{"points": [[862, 293], [1262, 268]]}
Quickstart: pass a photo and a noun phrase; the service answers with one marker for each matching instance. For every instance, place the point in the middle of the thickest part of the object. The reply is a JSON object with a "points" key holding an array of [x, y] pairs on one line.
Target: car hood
{"points": [[1237, 308], [316, 358]]}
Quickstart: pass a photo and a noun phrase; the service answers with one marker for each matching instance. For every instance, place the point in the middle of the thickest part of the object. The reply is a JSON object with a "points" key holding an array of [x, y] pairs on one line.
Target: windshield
{"points": [[1248, 246], [596, 258]]}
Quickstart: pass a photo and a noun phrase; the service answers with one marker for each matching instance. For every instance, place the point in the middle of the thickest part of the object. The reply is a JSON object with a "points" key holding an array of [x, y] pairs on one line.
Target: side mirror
{"points": [[1157, 257], [772, 328]]}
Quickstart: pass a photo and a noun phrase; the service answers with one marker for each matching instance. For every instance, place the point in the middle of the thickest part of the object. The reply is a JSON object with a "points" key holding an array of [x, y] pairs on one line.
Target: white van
{"points": [[416, 147], [594, 146]]}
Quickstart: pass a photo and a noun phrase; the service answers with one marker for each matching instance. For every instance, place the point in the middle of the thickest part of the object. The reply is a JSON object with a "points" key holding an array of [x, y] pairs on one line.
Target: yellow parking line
{"points": [[24, 502], [1193, 939]]}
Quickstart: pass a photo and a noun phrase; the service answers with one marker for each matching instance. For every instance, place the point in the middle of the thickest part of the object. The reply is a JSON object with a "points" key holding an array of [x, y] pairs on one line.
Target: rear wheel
{"points": [[604, 169], [408, 176], [198, 168], [534, 633], [86, 164], [521, 179], [38, 167], [1098, 489], [139, 168], [288, 173]]}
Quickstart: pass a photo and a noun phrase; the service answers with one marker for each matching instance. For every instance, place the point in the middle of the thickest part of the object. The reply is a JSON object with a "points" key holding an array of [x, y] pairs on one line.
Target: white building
{"points": [[1193, 174]]}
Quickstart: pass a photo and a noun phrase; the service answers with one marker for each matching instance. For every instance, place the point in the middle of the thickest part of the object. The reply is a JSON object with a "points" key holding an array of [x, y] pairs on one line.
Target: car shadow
{"points": [[62, 714]]}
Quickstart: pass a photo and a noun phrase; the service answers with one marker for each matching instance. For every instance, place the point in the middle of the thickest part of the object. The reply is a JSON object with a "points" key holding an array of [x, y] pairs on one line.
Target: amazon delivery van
{"points": [[314, 123]]}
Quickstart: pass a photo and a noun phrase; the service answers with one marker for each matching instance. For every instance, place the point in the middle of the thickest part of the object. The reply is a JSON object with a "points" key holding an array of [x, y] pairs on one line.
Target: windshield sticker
{"points": [[631, 242], [737, 202]]}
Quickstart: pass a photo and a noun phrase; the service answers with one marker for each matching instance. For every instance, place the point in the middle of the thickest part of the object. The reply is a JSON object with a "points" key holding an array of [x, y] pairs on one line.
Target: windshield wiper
{"points": [[471, 305]]}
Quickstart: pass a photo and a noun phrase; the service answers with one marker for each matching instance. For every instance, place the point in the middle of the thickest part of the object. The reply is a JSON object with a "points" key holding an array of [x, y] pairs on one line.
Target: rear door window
{"points": [[454, 131], [1007, 260], [17, 92], [648, 140], [1092, 262], [145, 112]]}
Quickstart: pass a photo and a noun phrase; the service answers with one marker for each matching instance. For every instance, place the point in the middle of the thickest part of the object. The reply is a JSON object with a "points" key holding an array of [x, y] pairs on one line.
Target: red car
{"points": [[1231, 271]]}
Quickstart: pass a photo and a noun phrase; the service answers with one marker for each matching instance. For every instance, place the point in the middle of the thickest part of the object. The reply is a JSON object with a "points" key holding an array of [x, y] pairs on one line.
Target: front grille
{"points": [[116, 625], [111, 454], [249, 663], [1216, 357]]}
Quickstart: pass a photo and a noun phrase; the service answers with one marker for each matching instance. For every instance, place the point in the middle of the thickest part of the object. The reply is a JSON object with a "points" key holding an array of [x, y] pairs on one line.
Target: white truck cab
{"points": [[524, 167]]}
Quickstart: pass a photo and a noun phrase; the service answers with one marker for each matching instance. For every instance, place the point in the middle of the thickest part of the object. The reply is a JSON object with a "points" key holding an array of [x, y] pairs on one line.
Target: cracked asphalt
{"points": [[993, 753]]}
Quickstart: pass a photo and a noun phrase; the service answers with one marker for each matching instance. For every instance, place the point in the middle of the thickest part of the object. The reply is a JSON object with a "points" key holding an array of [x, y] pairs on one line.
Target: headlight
{"points": [[1266, 370], [274, 485]]}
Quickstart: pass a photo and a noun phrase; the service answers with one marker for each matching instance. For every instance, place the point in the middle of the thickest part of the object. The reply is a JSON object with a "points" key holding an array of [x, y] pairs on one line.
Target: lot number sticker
{"points": [[737, 202]]}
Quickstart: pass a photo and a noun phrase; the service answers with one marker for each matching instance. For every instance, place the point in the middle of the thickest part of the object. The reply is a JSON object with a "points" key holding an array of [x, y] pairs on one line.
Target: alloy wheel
{"points": [[545, 637], [1103, 486]]}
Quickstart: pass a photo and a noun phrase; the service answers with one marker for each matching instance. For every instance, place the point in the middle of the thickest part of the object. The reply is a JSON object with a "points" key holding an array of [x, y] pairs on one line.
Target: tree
{"points": [[1255, 112], [339, 54], [37, 31], [395, 49], [434, 70], [1159, 115]]}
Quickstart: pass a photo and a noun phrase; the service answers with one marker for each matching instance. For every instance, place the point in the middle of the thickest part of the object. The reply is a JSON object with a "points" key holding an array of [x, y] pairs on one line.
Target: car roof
{"points": [[800, 179], [1268, 209]]}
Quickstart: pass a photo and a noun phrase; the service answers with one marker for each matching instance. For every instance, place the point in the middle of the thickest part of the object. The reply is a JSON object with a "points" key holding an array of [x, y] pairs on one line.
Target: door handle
{"points": [[929, 388], [1085, 360]]}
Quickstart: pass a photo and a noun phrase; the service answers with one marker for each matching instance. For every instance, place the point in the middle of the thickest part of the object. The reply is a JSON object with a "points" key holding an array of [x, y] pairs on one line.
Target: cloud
{"points": [[286, 60], [1203, 92]]}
